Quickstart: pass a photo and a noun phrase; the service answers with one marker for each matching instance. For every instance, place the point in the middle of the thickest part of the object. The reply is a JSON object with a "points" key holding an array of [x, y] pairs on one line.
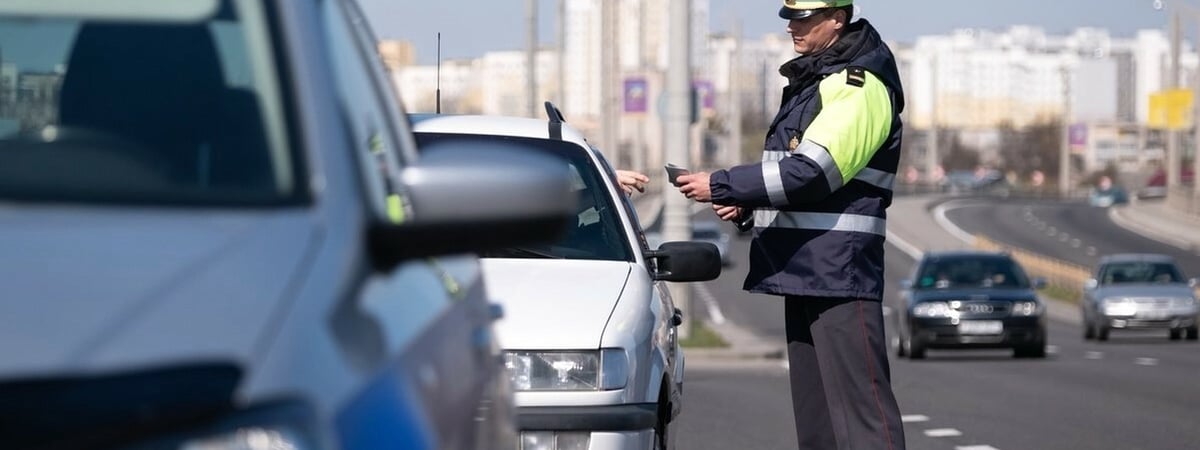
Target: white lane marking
{"points": [[914, 418], [975, 447], [1052, 349], [710, 303], [1146, 361], [943, 432], [1093, 355], [1091, 251], [1064, 237], [939, 215], [1052, 232], [1076, 243], [911, 250]]}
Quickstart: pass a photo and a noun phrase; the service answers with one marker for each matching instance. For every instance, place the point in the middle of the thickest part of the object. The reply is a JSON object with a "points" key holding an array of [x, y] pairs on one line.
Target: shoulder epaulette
{"points": [[856, 76]]}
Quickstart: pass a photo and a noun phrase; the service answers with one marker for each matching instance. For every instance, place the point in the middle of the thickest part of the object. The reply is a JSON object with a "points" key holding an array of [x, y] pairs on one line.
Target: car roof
{"points": [[1137, 257], [493, 126]]}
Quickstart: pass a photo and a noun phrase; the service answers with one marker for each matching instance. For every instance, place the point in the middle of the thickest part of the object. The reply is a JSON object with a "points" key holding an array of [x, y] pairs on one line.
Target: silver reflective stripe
{"points": [[877, 178], [821, 155], [774, 155], [773, 181], [852, 223]]}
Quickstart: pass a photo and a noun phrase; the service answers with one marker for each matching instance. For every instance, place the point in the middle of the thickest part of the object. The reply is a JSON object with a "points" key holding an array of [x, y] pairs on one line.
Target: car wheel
{"points": [[1089, 332], [1102, 333], [900, 344], [1193, 333], [1030, 351], [1176, 334], [916, 348], [662, 429]]}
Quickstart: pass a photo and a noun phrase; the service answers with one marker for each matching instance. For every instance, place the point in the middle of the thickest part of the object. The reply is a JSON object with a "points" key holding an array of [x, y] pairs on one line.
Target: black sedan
{"points": [[968, 299]]}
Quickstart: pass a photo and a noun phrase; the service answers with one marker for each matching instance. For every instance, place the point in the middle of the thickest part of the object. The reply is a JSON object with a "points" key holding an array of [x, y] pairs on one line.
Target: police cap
{"points": [[799, 9]]}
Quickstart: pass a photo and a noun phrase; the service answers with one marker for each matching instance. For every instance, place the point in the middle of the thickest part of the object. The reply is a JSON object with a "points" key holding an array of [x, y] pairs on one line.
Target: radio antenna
{"points": [[439, 74]]}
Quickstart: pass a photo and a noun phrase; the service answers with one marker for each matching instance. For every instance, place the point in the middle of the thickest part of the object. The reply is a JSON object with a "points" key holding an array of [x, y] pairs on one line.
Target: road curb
{"points": [[743, 345]]}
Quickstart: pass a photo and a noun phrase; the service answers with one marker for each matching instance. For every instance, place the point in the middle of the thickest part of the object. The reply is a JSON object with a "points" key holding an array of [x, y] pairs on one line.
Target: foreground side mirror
{"points": [[472, 201], [687, 261], [1090, 284], [1040, 283]]}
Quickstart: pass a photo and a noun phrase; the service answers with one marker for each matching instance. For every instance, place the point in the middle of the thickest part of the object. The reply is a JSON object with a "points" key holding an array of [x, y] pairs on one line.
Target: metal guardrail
{"points": [[1065, 278]]}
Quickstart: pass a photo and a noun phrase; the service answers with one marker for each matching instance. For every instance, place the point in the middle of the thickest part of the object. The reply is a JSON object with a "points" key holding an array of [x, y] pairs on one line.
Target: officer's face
{"points": [[816, 32]]}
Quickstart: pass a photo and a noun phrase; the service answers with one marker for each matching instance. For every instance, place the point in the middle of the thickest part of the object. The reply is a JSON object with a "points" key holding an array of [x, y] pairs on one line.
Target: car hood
{"points": [[933, 295], [92, 290], [1145, 290], [554, 304]]}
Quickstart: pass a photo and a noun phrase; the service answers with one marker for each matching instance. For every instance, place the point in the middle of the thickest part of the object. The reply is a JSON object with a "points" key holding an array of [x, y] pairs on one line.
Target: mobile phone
{"points": [[674, 171]]}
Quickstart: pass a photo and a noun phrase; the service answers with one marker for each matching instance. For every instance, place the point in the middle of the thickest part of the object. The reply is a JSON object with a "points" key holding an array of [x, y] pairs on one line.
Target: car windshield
{"points": [[971, 272], [175, 103], [595, 233], [1140, 272]]}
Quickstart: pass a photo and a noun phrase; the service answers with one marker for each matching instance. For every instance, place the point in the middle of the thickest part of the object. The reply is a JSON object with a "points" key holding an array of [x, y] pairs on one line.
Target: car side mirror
{"points": [[1040, 283], [686, 261], [464, 201], [906, 284], [1090, 284]]}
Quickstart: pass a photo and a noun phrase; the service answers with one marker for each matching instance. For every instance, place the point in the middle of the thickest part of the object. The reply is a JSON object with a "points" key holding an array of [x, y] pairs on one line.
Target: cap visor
{"points": [[792, 14]]}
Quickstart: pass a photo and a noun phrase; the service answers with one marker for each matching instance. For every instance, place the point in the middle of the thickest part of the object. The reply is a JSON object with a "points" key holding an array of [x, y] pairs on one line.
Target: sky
{"points": [[472, 28]]}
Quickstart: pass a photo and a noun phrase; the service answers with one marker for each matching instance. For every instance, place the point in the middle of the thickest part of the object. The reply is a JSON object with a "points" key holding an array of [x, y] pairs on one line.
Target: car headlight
{"points": [[568, 371], [1117, 307], [933, 309], [285, 426], [250, 439], [1026, 309]]}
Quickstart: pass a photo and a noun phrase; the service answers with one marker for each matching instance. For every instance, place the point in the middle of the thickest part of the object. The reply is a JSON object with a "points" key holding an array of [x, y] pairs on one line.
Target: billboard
{"points": [[1171, 109], [636, 95]]}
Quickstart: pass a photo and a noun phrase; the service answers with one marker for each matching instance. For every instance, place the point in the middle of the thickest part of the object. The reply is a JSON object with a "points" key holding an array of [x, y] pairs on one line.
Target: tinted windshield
{"points": [[128, 106], [1140, 272], [971, 272], [596, 232]]}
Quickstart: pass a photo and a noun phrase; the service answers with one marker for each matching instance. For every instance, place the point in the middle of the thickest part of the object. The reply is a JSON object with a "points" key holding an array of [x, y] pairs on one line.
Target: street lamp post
{"points": [[1174, 163]]}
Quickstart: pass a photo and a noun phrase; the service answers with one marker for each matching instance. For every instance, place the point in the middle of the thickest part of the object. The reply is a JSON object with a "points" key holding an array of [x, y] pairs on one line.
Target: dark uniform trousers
{"points": [[841, 382]]}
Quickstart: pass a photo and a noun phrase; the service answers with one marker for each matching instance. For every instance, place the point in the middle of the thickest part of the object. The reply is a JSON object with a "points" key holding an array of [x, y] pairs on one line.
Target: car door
{"points": [[431, 316]]}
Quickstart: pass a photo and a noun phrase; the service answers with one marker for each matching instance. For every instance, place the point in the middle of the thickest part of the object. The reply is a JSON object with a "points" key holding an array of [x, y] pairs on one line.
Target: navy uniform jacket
{"points": [[820, 195]]}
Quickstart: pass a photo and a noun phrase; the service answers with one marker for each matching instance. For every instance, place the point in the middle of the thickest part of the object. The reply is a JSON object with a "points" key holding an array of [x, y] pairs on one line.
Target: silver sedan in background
{"points": [[1139, 291]]}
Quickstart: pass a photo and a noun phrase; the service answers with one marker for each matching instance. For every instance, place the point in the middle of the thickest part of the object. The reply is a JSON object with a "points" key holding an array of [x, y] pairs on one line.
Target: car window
{"points": [[144, 109], [595, 233], [364, 110], [971, 272], [1140, 272]]}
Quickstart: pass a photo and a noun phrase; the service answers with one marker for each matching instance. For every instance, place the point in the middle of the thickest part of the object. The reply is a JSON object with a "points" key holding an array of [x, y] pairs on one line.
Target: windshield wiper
{"points": [[522, 252]]}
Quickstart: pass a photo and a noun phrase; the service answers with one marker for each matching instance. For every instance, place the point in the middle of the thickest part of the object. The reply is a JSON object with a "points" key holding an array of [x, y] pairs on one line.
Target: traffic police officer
{"points": [[817, 203]]}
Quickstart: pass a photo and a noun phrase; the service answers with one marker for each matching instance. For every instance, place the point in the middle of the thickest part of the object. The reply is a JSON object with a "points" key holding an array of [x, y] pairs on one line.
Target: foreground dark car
{"points": [[971, 300]]}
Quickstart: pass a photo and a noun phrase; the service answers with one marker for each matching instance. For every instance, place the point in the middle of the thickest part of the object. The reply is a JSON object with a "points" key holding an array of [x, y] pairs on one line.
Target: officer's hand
{"points": [[727, 213], [695, 186], [631, 180]]}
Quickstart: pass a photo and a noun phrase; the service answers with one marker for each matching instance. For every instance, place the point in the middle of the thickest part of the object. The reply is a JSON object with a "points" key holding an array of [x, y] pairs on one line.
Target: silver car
{"points": [[1139, 291], [217, 233]]}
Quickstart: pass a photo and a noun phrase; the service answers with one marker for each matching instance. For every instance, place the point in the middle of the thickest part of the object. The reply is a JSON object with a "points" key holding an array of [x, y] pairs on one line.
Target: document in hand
{"points": [[674, 171]]}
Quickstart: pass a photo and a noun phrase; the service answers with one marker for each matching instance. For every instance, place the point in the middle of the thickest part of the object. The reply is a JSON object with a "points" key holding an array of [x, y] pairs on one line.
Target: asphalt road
{"points": [[1074, 232], [1134, 392]]}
